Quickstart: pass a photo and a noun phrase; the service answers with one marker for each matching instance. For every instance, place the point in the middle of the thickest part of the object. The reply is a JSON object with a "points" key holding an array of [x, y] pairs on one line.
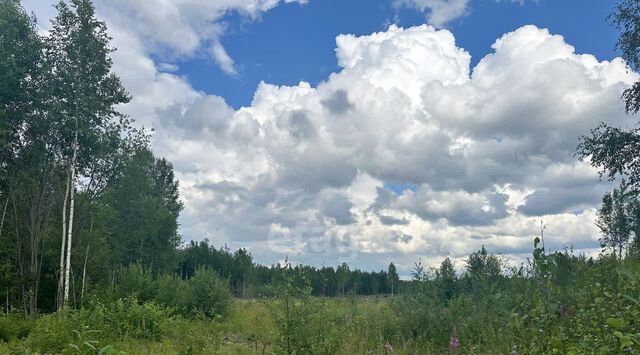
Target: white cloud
{"points": [[222, 58], [485, 152], [439, 12], [180, 27], [489, 152], [171, 29]]}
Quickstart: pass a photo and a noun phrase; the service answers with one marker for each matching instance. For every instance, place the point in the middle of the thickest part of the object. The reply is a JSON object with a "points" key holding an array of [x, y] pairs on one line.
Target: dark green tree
{"points": [[29, 172], [634, 248], [342, 275], [483, 270], [20, 57], [446, 280], [145, 207], [244, 263], [394, 279]]}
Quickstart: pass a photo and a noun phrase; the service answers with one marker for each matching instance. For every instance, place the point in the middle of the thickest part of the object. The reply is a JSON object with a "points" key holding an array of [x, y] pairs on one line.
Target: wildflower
{"points": [[387, 347], [454, 342]]}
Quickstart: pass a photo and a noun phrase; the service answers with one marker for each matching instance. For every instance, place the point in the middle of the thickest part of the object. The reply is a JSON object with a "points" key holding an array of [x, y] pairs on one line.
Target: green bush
{"points": [[135, 280], [211, 295], [14, 327], [305, 325], [205, 294], [127, 318], [52, 332]]}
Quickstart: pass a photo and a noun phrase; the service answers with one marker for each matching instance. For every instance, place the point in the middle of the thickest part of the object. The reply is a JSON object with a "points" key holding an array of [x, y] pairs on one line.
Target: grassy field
{"points": [[356, 325], [565, 304]]}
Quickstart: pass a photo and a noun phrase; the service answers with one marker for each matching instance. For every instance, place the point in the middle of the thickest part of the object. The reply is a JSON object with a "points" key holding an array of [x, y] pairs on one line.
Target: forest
{"points": [[92, 262]]}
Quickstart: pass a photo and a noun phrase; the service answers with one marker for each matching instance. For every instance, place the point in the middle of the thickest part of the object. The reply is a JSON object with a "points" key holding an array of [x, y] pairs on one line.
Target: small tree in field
{"points": [[634, 248], [483, 269], [394, 279], [446, 280], [615, 218]]}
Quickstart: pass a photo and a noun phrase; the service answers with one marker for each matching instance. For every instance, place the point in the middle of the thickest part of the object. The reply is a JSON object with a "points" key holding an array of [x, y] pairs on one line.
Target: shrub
{"points": [[52, 332], [210, 293], [135, 280], [304, 325], [206, 293], [127, 318], [14, 327], [176, 293]]}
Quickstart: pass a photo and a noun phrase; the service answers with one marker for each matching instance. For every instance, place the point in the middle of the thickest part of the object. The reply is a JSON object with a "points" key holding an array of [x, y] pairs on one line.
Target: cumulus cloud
{"points": [[488, 149], [306, 172]]}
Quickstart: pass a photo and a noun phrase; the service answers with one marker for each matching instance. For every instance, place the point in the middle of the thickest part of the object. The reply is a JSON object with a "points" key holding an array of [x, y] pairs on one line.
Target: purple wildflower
{"points": [[387, 347], [454, 342]]}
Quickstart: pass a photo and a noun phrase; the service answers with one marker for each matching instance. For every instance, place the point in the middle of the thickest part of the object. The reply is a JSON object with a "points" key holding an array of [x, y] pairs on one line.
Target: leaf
{"points": [[631, 299], [615, 323], [626, 344], [618, 334], [107, 349], [628, 273]]}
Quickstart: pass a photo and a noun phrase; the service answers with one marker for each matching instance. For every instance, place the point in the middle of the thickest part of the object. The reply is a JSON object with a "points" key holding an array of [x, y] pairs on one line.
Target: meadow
{"points": [[558, 303]]}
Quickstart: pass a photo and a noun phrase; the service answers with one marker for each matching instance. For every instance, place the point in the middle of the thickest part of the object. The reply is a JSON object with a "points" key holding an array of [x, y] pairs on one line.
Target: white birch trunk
{"points": [[84, 273], [72, 184], [4, 213], [64, 239]]}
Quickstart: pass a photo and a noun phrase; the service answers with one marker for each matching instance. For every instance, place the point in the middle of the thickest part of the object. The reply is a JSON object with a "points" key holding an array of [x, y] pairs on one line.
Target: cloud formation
{"points": [[171, 29], [489, 150], [305, 172]]}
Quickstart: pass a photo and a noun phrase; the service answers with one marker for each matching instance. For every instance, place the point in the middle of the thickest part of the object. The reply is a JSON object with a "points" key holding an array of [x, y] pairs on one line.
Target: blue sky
{"points": [[294, 42]]}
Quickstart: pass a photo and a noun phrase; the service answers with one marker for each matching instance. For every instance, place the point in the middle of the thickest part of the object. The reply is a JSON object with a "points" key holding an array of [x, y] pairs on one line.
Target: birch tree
{"points": [[84, 98]]}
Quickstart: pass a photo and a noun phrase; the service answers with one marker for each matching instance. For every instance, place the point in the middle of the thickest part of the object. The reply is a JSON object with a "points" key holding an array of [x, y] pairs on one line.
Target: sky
{"points": [[373, 131]]}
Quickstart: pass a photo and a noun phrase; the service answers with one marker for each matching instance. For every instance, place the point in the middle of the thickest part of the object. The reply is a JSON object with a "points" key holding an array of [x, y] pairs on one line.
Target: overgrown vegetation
{"points": [[557, 303]]}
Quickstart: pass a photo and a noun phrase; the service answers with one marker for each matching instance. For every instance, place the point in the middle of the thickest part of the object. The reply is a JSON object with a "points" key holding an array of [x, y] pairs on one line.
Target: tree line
{"points": [[250, 279]]}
